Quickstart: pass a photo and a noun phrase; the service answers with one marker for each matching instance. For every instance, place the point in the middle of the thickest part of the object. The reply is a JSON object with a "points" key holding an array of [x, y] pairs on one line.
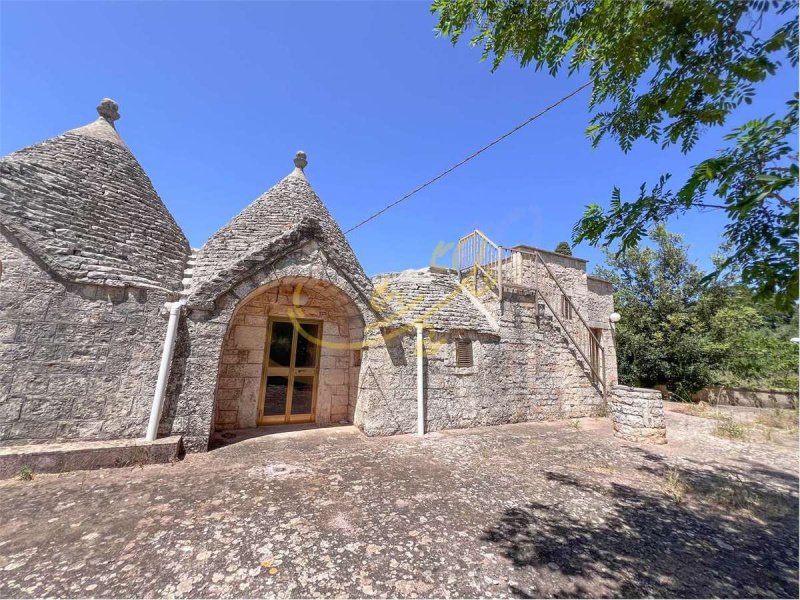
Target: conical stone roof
{"points": [[287, 215], [434, 297], [82, 204]]}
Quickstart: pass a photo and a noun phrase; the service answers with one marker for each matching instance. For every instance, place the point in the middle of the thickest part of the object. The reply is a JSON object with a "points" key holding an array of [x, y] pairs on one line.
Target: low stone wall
{"points": [[638, 414], [84, 456], [745, 397]]}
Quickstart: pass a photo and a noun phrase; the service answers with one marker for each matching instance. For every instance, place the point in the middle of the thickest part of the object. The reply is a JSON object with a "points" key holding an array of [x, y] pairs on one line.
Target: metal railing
{"points": [[477, 255]]}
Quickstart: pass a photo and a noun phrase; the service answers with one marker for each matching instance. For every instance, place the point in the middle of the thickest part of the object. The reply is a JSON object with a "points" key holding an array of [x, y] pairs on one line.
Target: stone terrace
{"points": [[549, 509]]}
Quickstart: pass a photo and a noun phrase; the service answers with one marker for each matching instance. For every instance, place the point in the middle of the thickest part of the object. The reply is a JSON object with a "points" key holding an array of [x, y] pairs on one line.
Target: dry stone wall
{"points": [[525, 373], [746, 397], [76, 361], [638, 414]]}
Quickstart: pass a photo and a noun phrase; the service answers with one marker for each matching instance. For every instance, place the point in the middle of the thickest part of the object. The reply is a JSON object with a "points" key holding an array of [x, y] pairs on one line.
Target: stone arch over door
{"points": [[336, 349], [207, 323]]}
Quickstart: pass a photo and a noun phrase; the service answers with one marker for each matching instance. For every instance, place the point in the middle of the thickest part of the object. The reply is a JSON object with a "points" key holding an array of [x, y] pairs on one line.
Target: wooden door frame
{"points": [[289, 372]]}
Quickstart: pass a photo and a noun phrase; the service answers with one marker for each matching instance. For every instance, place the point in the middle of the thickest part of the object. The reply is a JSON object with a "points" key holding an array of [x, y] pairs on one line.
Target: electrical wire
{"points": [[528, 121]]}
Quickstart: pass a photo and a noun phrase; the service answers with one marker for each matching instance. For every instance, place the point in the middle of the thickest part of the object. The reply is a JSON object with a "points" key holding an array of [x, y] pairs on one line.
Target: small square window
{"points": [[463, 353], [356, 358]]}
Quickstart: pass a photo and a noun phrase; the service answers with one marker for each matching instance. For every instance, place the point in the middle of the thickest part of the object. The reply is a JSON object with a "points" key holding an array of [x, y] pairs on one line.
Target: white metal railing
{"points": [[477, 255]]}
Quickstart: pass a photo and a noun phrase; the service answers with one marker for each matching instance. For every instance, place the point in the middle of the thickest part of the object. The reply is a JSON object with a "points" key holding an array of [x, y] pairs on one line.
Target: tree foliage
{"points": [[563, 248], [678, 332], [756, 181], [666, 71]]}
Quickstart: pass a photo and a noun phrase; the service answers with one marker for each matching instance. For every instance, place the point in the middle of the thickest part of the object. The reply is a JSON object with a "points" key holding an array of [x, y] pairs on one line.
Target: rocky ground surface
{"points": [[549, 509]]}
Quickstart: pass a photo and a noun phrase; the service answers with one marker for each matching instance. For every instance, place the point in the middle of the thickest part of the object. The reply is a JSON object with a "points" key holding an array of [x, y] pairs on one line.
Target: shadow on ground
{"points": [[729, 537], [222, 439]]}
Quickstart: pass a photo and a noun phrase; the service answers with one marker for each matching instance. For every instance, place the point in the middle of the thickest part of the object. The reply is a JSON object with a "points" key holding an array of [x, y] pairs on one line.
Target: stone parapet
{"points": [[638, 414]]}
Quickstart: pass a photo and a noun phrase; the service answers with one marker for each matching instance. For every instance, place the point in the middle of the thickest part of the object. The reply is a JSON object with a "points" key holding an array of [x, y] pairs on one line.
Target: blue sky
{"points": [[216, 97]]}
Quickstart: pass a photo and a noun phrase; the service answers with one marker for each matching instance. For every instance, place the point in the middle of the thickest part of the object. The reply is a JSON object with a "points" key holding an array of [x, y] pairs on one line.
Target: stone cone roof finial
{"points": [[109, 110], [300, 161]]}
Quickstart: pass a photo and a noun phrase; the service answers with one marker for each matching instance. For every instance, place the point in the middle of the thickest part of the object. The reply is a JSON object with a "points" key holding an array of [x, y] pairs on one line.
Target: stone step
{"points": [[84, 456]]}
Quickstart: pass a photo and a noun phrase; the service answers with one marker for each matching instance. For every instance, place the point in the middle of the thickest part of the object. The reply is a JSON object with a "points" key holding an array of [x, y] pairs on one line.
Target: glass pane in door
{"points": [[302, 394], [275, 396], [280, 344], [306, 354]]}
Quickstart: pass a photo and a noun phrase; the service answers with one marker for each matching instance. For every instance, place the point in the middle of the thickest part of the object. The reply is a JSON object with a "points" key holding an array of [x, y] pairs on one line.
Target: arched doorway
{"points": [[291, 354]]}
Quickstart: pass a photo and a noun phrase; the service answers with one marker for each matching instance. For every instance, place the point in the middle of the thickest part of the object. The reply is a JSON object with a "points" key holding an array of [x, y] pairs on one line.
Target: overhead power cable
{"points": [[527, 121]]}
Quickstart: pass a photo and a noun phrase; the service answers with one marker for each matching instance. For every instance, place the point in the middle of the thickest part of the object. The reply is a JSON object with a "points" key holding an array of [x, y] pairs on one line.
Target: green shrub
{"points": [[24, 474]]}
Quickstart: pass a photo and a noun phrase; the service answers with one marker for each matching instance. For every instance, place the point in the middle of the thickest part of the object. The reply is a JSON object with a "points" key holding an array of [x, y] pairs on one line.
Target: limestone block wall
{"points": [[638, 414], [593, 297], [76, 361], [525, 373], [191, 398], [599, 301], [570, 272], [241, 368], [599, 306]]}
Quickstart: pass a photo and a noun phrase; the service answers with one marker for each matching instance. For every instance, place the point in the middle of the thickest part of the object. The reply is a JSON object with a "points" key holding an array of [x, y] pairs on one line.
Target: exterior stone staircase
{"points": [[515, 270]]}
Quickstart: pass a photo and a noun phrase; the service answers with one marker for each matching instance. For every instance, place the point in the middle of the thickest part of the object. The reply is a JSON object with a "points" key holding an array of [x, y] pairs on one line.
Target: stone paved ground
{"points": [[521, 510]]}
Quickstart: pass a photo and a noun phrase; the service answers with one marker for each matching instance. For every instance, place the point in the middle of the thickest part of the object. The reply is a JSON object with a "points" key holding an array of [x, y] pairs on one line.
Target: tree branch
{"points": [[704, 205]]}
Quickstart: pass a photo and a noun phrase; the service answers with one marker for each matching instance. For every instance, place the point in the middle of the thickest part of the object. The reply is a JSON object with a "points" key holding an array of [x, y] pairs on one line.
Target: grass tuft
{"points": [[702, 409], [730, 428], [674, 487], [24, 474], [732, 494], [779, 419]]}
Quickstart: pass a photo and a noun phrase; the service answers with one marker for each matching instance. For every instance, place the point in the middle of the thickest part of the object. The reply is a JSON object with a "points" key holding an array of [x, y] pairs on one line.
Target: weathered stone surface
{"points": [[433, 297], [638, 414], [83, 205], [82, 456], [78, 366], [289, 206], [538, 510]]}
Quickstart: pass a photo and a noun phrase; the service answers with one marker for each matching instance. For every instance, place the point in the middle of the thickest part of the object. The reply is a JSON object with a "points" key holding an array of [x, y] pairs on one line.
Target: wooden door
{"points": [[291, 372]]}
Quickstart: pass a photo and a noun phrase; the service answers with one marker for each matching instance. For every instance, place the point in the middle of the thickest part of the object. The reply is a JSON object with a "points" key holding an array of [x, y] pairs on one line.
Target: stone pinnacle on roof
{"points": [[287, 216], [82, 204], [300, 162], [108, 109]]}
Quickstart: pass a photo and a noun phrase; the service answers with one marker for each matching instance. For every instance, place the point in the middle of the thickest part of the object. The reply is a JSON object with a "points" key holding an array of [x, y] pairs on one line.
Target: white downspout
{"points": [[420, 384], [163, 370]]}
